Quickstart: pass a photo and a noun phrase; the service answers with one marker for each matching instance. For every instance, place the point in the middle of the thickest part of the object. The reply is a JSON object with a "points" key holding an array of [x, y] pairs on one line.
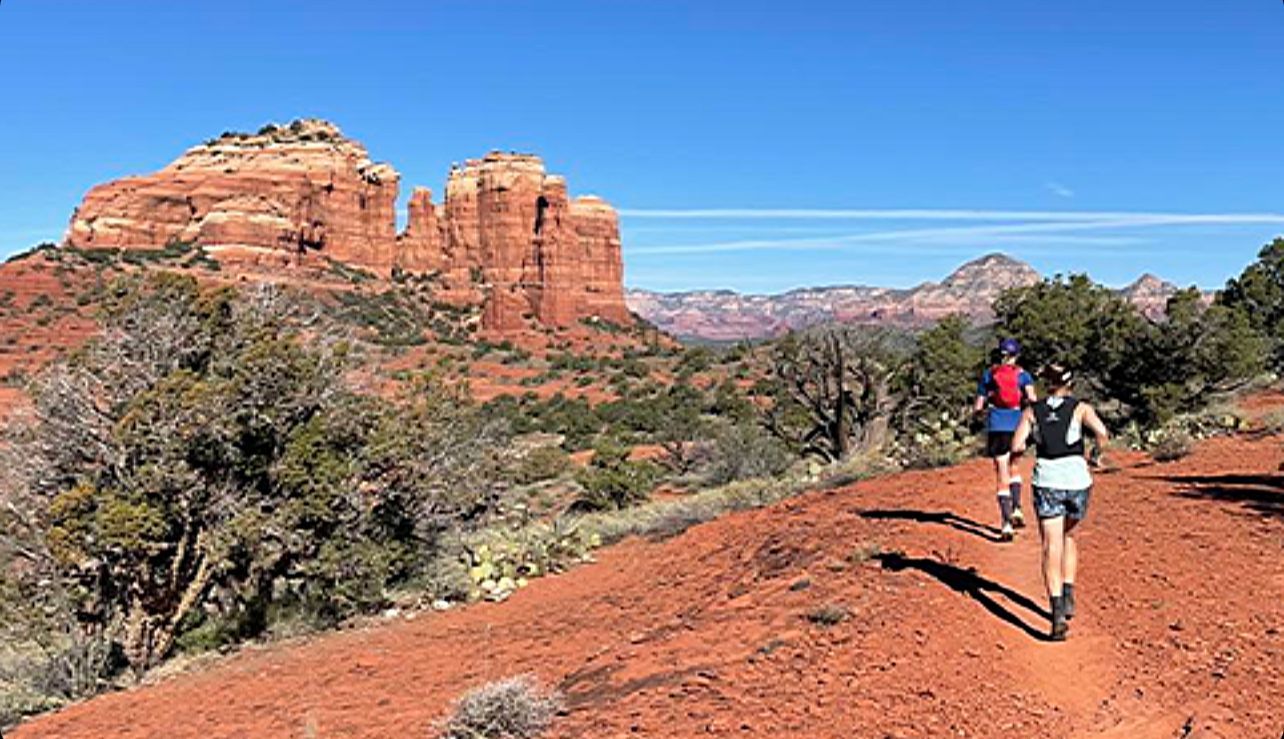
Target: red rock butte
{"points": [[507, 237]]}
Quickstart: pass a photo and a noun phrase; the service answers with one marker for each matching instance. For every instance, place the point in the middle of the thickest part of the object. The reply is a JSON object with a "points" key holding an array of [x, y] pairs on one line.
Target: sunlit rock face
{"points": [[507, 237]]}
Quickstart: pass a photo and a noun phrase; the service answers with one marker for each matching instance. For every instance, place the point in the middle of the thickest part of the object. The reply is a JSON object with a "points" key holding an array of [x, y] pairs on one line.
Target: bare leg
{"points": [[1002, 471], [1052, 531], [1070, 556], [1004, 494]]}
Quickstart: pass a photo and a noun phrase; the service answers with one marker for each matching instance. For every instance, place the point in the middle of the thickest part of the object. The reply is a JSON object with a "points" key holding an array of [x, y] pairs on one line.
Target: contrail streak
{"points": [[1120, 221], [943, 214]]}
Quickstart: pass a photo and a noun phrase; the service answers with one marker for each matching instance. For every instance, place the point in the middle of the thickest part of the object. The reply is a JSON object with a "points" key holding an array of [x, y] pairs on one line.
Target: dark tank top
{"points": [[1052, 425]]}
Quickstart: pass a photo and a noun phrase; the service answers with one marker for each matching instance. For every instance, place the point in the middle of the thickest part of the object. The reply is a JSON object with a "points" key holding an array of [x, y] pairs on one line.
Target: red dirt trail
{"points": [[1179, 631]]}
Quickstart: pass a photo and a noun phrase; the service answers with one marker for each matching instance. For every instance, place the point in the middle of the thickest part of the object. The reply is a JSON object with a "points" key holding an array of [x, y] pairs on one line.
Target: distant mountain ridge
{"points": [[970, 290]]}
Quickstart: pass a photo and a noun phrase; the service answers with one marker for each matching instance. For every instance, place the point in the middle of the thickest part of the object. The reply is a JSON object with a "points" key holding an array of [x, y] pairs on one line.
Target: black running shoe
{"points": [[1059, 629], [1067, 600]]}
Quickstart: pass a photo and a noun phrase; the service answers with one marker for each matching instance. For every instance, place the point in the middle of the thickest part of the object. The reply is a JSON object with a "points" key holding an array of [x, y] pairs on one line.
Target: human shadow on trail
{"points": [[945, 518], [970, 583], [1261, 493]]}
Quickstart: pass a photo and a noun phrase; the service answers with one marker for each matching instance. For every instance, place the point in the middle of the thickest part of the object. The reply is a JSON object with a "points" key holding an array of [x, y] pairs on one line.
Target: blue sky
{"points": [[751, 145]]}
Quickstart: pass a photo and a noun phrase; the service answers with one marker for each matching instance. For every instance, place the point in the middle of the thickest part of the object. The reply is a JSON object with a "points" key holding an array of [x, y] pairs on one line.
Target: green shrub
{"points": [[544, 463], [46, 659], [612, 480], [740, 451], [394, 318]]}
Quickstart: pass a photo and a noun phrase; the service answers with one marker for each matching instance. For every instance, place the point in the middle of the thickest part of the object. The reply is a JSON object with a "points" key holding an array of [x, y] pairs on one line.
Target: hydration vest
{"points": [[1005, 386], [1052, 426]]}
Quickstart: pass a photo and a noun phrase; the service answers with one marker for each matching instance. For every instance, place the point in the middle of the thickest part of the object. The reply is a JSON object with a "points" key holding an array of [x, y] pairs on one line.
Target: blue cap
{"points": [[1011, 347]]}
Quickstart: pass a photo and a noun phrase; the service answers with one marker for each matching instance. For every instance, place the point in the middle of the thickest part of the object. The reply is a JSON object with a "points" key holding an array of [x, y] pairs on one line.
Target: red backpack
{"points": [[1005, 386]]}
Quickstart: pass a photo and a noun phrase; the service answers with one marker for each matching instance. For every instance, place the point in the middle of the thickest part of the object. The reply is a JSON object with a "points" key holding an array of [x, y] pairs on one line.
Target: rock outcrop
{"points": [[421, 248], [509, 231], [270, 197], [507, 237]]}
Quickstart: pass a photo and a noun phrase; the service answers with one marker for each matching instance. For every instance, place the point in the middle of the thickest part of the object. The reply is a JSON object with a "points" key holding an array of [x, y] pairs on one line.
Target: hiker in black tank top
{"points": [[1062, 483]]}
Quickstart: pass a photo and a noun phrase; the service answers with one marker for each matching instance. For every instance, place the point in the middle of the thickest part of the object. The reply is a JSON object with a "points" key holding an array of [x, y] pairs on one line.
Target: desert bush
{"points": [[612, 480], [740, 451], [543, 463], [938, 388], [829, 614], [1171, 445], [393, 318], [1218, 419], [695, 359], [1273, 422], [645, 413], [933, 442], [512, 708], [46, 658], [942, 373], [574, 418]]}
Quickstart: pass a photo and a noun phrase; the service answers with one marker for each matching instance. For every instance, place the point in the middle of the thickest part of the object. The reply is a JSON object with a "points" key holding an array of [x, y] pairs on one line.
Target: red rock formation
{"points": [[512, 233], [419, 247], [507, 237], [270, 197], [597, 228]]}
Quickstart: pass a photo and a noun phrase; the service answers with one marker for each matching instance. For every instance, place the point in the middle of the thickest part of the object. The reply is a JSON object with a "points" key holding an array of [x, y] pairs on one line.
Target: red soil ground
{"points": [[1180, 631]]}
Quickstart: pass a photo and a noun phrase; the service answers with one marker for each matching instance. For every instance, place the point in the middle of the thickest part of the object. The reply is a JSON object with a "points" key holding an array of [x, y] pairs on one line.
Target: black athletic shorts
{"points": [[998, 443]]}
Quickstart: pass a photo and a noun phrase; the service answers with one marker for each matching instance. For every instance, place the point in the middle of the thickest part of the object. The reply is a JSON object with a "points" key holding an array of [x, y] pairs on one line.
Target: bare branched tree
{"points": [[834, 390]]}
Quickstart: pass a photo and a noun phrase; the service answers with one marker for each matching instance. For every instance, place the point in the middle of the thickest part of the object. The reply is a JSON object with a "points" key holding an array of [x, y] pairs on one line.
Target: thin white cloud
{"points": [[939, 214], [1058, 189], [1053, 239], [972, 235]]}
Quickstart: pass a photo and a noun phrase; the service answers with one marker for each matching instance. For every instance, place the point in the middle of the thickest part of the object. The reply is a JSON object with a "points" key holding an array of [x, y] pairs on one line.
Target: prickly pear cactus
{"points": [[503, 563]]}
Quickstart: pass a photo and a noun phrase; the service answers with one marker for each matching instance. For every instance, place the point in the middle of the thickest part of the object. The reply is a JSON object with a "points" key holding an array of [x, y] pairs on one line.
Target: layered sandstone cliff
{"points": [[269, 197], [507, 237]]}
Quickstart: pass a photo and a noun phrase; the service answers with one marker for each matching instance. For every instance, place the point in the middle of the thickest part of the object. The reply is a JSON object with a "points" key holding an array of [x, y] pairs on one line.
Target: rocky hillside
{"points": [[508, 237], [1150, 294], [881, 609], [724, 315]]}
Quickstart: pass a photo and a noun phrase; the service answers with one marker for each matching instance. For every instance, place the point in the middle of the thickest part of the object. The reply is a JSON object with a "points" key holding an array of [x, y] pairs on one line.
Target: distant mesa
{"points": [[507, 236]]}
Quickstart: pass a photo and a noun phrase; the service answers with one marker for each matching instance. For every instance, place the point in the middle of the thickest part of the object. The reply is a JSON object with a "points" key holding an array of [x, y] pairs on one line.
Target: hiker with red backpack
{"points": [[1005, 388]]}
